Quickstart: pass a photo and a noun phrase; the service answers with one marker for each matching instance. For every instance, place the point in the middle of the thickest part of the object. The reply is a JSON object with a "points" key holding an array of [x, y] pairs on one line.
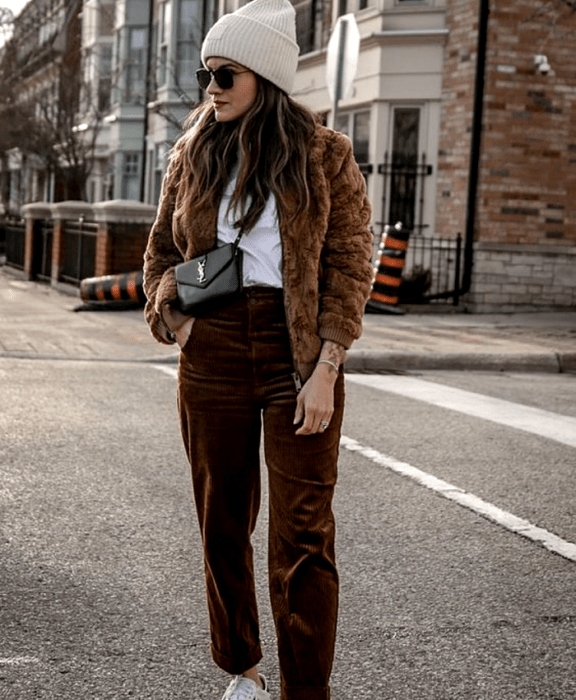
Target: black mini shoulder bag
{"points": [[210, 280]]}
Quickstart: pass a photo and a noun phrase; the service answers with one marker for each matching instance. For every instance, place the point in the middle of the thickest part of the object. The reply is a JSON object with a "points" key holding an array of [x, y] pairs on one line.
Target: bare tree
{"points": [[39, 111]]}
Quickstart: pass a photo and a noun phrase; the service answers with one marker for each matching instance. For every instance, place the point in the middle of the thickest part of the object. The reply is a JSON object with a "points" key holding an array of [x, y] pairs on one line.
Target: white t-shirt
{"points": [[262, 247]]}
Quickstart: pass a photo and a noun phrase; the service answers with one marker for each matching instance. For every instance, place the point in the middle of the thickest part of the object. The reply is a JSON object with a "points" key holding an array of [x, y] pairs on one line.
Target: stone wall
{"points": [[512, 277]]}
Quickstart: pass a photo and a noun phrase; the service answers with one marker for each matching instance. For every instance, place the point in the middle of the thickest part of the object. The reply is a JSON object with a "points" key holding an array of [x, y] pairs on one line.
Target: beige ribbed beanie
{"points": [[261, 36]]}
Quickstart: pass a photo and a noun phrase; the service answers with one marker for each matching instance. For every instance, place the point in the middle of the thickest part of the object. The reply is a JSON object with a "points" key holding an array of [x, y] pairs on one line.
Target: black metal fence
{"points": [[42, 250], [79, 245], [433, 270], [403, 191], [14, 234]]}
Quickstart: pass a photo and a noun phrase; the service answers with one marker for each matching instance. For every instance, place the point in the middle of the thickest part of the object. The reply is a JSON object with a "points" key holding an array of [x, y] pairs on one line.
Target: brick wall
{"points": [[122, 234], [527, 191], [457, 110], [525, 229]]}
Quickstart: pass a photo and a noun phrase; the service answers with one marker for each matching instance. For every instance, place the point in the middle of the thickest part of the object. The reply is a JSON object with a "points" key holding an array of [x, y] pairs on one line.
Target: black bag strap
{"points": [[237, 241]]}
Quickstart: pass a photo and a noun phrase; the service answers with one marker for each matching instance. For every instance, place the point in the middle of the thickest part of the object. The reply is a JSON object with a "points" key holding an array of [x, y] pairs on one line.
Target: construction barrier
{"points": [[126, 287], [386, 286]]}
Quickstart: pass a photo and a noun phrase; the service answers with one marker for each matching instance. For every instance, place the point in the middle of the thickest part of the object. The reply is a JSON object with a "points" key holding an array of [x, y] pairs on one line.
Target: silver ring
{"points": [[324, 424]]}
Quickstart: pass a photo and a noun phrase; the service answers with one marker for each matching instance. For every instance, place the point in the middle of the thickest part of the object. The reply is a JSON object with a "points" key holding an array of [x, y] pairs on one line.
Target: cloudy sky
{"points": [[14, 5]]}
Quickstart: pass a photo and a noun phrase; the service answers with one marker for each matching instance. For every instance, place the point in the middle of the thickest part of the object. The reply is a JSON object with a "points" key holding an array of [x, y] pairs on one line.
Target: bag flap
{"points": [[201, 270]]}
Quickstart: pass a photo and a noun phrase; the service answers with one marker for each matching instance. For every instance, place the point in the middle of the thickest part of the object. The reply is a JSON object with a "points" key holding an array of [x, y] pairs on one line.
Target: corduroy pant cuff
{"points": [[237, 666], [305, 693]]}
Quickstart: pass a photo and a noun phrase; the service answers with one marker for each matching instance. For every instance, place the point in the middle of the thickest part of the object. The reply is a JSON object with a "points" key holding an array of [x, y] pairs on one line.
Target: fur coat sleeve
{"points": [[346, 256], [161, 256]]}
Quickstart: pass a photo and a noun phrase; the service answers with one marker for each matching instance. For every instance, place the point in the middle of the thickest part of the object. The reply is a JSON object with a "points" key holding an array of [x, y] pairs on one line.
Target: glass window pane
{"points": [[305, 24], [342, 123], [404, 166], [188, 49], [405, 139], [361, 139]]}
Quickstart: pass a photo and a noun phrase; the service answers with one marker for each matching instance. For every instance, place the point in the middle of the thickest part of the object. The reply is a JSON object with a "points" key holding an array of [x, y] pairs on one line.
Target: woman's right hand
{"points": [[182, 334], [179, 324]]}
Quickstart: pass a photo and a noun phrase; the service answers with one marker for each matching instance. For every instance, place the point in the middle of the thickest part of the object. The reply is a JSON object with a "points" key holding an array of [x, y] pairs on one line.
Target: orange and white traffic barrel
{"points": [[385, 292], [126, 287]]}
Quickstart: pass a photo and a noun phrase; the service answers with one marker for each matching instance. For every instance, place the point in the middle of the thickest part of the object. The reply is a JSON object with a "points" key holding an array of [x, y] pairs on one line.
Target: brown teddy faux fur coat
{"points": [[326, 253]]}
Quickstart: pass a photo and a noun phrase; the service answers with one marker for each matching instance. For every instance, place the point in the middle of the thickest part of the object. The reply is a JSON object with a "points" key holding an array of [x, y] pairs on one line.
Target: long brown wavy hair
{"points": [[272, 139]]}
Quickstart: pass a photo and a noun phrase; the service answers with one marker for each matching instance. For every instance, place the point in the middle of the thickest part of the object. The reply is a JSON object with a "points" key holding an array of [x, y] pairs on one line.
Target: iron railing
{"points": [[15, 233], [42, 250], [79, 245], [433, 270], [404, 188]]}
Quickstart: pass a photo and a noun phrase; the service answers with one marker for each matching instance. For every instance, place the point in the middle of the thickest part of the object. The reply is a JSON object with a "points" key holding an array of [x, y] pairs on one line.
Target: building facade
{"points": [[520, 128], [37, 73], [462, 117]]}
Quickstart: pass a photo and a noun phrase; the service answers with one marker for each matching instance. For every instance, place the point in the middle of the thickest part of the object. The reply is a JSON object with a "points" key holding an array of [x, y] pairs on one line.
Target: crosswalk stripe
{"points": [[532, 420]]}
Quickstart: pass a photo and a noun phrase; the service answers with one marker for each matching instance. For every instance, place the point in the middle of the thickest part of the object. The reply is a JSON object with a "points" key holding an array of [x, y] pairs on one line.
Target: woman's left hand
{"points": [[315, 403]]}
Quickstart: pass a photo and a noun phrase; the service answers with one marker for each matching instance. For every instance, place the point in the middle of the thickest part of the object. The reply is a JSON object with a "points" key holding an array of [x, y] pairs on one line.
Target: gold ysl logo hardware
{"points": [[201, 270]]}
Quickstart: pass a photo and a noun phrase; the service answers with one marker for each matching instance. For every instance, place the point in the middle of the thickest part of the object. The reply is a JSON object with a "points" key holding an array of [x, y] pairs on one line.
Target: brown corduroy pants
{"points": [[235, 377]]}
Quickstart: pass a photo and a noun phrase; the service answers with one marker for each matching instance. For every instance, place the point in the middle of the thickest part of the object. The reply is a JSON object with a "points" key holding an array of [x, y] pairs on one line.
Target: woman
{"points": [[254, 161]]}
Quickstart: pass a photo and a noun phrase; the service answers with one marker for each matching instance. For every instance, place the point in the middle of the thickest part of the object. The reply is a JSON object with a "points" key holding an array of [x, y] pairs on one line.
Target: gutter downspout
{"points": [[484, 11], [147, 93]]}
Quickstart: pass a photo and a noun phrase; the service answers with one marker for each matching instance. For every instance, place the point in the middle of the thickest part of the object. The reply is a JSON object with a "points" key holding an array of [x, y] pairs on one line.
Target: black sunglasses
{"points": [[224, 77]]}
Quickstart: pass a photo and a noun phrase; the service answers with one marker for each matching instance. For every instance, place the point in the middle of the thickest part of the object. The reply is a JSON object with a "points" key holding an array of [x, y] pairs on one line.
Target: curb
{"points": [[161, 359], [369, 361]]}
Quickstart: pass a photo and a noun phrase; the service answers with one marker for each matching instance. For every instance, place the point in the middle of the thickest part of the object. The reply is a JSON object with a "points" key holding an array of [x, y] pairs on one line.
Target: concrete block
{"points": [[494, 267], [519, 270], [515, 289]]}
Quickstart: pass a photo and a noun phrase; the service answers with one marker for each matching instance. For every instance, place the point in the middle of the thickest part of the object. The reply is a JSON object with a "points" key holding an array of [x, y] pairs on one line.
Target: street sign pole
{"points": [[339, 71], [342, 61]]}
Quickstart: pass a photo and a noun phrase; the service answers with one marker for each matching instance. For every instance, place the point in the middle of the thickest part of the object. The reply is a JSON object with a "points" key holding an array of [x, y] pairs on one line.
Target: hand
{"points": [[182, 334], [178, 323], [315, 403]]}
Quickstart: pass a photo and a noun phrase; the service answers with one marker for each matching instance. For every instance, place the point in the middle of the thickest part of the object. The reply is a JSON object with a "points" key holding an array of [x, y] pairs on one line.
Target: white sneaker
{"points": [[244, 689]]}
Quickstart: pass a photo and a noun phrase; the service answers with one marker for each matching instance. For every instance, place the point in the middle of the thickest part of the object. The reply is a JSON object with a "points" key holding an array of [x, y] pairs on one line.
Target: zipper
{"points": [[297, 381], [295, 376]]}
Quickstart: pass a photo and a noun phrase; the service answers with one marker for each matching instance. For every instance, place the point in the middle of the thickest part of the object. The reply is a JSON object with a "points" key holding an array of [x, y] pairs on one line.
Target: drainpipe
{"points": [[147, 94], [484, 11]]}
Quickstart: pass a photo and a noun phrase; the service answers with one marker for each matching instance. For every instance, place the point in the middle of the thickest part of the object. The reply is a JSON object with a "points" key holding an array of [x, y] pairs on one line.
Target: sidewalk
{"points": [[37, 321]]}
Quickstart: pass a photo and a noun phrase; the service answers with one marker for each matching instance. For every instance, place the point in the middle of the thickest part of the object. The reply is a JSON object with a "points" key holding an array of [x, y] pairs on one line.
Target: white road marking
{"points": [[479, 406], [532, 420], [172, 371], [507, 520], [18, 660]]}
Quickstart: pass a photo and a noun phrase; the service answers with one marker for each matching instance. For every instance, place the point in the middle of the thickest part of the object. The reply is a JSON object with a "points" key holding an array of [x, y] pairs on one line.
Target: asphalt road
{"points": [[101, 586]]}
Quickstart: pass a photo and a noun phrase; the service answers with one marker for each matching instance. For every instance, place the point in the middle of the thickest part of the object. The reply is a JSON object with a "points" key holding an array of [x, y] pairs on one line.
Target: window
{"points": [[160, 154], [188, 43], [135, 65], [163, 41], [356, 125], [231, 5], [131, 176], [404, 171], [105, 78], [308, 24], [346, 6]]}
